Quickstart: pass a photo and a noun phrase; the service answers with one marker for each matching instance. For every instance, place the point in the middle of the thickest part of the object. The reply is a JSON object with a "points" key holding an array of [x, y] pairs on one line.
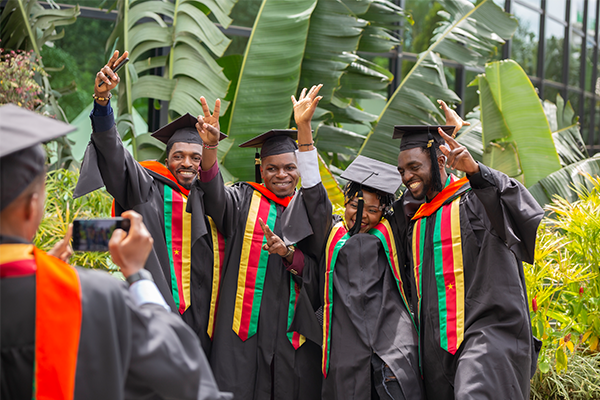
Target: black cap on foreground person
{"points": [[60, 325], [271, 143], [369, 193]]}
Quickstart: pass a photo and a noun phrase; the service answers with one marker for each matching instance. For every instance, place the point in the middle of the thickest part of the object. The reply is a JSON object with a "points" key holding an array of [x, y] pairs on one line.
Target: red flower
{"points": [[580, 291], [568, 338], [534, 305]]}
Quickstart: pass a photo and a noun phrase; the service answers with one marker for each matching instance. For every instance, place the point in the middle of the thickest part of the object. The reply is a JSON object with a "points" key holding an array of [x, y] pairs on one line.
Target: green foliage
{"points": [[564, 288], [17, 82], [61, 210]]}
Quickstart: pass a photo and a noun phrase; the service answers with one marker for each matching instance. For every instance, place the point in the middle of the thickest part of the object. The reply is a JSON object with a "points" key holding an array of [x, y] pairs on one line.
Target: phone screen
{"points": [[94, 234]]}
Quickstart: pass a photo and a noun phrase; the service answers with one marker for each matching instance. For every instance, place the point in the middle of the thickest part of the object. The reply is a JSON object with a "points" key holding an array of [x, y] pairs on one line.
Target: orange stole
{"points": [[58, 326]]}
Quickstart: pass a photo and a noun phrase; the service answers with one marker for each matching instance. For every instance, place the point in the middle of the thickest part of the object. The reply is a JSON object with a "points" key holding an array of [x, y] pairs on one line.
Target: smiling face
{"points": [[280, 173], [414, 166], [371, 215], [183, 161]]}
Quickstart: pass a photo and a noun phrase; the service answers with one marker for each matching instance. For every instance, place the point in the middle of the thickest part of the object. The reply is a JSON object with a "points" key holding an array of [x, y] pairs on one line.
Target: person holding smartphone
{"points": [[187, 256], [76, 333]]}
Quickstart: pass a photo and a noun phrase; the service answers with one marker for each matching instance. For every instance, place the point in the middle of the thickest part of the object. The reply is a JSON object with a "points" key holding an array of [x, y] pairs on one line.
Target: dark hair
{"points": [[435, 152], [354, 188], [169, 147]]}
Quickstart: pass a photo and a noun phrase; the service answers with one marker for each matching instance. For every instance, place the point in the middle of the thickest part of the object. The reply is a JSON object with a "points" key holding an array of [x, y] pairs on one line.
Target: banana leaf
{"points": [[269, 76], [469, 34]]}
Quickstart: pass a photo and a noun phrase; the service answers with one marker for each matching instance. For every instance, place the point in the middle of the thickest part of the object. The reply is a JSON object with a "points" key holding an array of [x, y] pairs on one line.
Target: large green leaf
{"points": [[269, 76], [563, 181], [516, 134], [468, 34], [565, 131]]}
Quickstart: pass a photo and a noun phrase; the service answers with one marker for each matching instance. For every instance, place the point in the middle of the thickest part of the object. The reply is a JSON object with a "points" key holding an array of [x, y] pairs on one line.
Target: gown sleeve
{"points": [[512, 210], [166, 357], [106, 157]]}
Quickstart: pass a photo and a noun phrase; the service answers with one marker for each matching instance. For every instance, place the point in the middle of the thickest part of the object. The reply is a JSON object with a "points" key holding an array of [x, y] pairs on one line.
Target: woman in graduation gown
{"points": [[369, 339]]}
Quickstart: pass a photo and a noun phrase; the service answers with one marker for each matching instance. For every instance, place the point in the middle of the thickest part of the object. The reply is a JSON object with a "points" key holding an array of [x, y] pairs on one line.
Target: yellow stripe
{"points": [[15, 252], [330, 239], [186, 254], [216, 277], [244, 258], [458, 271], [393, 242]]}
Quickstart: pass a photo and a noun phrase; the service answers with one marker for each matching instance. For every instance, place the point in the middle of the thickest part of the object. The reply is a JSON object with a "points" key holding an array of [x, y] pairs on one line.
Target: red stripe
{"points": [[381, 228], [177, 244], [448, 267], [284, 201], [253, 257], [296, 335], [416, 255], [17, 268], [426, 209]]}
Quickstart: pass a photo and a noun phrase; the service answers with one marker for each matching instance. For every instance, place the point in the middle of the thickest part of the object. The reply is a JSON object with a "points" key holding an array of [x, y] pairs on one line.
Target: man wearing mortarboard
{"points": [[187, 254], [77, 333], [254, 356], [467, 239]]}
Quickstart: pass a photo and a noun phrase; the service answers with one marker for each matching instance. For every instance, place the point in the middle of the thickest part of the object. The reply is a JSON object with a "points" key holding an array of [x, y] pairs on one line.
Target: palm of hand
{"points": [[301, 109]]}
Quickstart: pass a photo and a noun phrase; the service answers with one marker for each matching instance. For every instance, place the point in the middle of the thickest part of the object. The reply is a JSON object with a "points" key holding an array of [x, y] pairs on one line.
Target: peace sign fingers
{"points": [[458, 157]]}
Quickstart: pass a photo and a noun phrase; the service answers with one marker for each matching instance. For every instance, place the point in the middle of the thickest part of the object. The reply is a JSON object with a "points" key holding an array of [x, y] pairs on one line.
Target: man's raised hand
{"points": [[208, 125], [458, 157], [305, 106], [452, 118], [130, 250], [274, 243], [108, 76]]}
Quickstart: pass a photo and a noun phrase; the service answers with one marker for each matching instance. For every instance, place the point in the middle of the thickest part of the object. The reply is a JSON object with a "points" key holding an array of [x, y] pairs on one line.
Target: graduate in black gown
{"points": [[253, 355], [369, 338], [466, 239], [74, 333], [188, 251]]}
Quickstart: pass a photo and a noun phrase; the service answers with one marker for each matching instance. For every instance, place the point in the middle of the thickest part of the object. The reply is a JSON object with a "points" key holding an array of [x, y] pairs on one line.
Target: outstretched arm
{"points": [[452, 118], [304, 109]]}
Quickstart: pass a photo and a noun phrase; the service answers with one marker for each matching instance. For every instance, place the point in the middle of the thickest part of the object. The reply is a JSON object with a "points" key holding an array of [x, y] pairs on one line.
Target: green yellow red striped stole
{"points": [[178, 227], [218, 242], [383, 231], [253, 266], [56, 333], [448, 270], [296, 339], [336, 240]]}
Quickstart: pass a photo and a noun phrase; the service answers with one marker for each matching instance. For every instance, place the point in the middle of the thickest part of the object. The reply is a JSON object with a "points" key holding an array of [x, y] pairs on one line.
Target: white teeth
{"points": [[187, 173], [414, 185]]}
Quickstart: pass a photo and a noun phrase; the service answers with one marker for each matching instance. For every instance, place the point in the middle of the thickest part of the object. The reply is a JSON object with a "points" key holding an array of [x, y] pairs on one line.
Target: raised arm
{"points": [[106, 156], [511, 209]]}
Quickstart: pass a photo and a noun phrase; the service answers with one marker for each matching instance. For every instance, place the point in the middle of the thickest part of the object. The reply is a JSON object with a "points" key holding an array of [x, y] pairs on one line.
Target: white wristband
{"points": [[308, 166]]}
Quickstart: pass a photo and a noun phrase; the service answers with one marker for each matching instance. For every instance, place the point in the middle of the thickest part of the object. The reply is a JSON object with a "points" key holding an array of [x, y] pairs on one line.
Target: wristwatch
{"points": [[138, 276], [291, 249]]}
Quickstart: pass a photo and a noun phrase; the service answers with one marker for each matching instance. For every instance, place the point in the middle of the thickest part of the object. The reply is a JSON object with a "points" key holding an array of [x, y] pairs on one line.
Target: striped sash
{"points": [[178, 225], [218, 242], [448, 267], [295, 338], [253, 266]]}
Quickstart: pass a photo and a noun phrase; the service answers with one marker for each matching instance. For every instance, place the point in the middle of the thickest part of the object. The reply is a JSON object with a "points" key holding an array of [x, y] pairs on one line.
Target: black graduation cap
{"points": [[22, 157], [418, 135], [373, 173], [427, 136], [183, 129], [272, 143]]}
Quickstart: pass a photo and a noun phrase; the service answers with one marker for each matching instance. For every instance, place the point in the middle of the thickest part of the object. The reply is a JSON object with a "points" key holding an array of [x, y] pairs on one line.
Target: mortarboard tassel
{"points": [[359, 213], [257, 176], [435, 169]]}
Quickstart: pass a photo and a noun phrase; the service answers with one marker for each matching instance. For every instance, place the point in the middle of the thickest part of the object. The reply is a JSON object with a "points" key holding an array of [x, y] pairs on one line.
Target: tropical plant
{"points": [[145, 29], [61, 210], [17, 84]]}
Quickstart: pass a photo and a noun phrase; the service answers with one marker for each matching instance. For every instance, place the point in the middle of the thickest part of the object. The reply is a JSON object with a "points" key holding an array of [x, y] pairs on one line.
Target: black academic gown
{"points": [[125, 351], [134, 187], [369, 315], [498, 225], [246, 367]]}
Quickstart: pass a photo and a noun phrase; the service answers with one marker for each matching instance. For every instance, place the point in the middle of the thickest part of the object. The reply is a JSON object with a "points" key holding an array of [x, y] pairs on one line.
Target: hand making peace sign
{"points": [[208, 126], [274, 243], [458, 156]]}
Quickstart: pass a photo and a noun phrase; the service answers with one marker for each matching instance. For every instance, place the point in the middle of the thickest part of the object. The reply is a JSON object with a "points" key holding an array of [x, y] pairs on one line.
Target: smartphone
{"points": [[118, 67], [94, 234]]}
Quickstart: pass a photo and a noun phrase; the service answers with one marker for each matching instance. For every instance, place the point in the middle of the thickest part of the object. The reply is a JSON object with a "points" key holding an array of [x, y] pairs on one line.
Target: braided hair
{"points": [[353, 189]]}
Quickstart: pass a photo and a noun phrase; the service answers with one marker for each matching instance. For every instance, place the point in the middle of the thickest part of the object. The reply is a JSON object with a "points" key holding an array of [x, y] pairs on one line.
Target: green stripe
{"points": [[331, 266], [261, 272], [291, 308], [381, 237], [168, 211], [439, 279]]}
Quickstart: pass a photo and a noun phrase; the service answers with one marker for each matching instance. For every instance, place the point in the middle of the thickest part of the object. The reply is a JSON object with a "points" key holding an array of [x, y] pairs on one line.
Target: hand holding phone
{"points": [[131, 251], [94, 234], [115, 69]]}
